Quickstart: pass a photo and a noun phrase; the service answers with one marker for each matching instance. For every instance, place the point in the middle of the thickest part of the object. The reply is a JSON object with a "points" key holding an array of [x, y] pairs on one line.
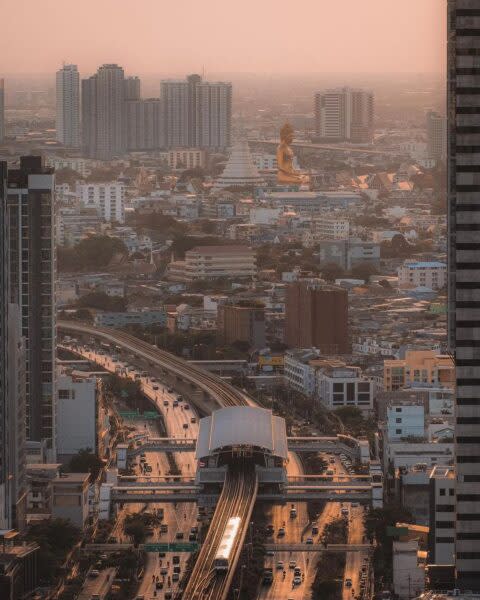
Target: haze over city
{"points": [[268, 36], [240, 300]]}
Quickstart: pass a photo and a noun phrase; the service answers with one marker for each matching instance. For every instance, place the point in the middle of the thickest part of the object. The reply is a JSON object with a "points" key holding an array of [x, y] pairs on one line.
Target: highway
{"points": [[240, 489], [183, 517], [97, 584]]}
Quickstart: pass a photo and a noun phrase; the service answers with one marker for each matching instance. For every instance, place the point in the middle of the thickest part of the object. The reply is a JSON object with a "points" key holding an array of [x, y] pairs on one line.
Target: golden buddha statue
{"points": [[286, 173]]}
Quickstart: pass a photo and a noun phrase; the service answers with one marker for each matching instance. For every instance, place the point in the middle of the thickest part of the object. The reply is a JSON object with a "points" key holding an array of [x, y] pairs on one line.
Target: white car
{"points": [[297, 581]]}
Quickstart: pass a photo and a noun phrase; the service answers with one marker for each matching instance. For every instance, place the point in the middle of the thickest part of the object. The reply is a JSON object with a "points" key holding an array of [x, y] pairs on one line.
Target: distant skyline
{"points": [[266, 36]]}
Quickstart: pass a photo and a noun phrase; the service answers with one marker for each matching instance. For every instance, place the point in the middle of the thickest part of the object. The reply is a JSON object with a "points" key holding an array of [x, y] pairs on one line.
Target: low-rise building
{"points": [[441, 539], [419, 366], [70, 498], [339, 386], [107, 198], [242, 323], [408, 569], [211, 262], [413, 274], [82, 421]]}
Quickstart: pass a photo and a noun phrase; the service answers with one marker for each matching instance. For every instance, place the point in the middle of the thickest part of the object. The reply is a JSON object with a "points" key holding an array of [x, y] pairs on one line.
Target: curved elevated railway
{"points": [[241, 485]]}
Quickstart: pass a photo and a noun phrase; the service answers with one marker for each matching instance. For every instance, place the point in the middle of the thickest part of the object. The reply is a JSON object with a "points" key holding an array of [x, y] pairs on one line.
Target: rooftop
{"points": [[242, 426]]}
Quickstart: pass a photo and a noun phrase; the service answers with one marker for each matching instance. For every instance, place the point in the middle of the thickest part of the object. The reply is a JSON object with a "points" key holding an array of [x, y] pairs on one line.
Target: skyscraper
{"points": [[176, 112], [463, 113], [32, 278], [196, 113], [12, 386], [213, 115], [317, 316], [103, 109], [2, 110], [68, 106], [344, 114], [132, 88], [143, 124], [436, 135]]}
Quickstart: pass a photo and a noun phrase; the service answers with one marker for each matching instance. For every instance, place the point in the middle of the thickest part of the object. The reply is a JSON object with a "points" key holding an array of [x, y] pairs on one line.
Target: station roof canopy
{"points": [[242, 426]]}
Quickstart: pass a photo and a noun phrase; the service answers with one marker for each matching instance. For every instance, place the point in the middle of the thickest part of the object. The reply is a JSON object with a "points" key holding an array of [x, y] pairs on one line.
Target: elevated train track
{"points": [[240, 488]]}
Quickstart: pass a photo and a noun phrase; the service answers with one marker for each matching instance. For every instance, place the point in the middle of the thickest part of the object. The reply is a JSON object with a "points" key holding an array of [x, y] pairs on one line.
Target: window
{"points": [[442, 491], [398, 420], [398, 431]]}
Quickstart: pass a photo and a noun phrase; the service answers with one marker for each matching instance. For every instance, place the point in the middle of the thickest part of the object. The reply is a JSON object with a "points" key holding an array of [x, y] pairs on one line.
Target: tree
{"points": [[363, 271], [56, 537], [331, 271], [85, 461], [67, 175], [91, 253], [136, 530], [103, 301]]}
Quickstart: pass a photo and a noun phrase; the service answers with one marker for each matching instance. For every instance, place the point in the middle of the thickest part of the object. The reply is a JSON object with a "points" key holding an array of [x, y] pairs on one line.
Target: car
{"points": [[179, 535], [297, 572], [174, 404], [169, 390], [165, 403], [344, 512], [176, 569], [192, 537], [309, 541], [176, 560], [193, 420], [297, 581], [194, 529], [95, 597], [164, 571], [159, 585], [281, 532], [292, 564], [348, 582], [185, 425], [293, 513], [355, 504], [176, 577], [186, 407], [314, 529], [270, 553], [155, 387], [94, 573], [168, 595], [331, 460], [164, 528], [280, 565], [330, 472]]}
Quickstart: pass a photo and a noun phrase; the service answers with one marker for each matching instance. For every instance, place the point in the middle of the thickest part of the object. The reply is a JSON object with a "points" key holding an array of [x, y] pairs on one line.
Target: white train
{"points": [[222, 558]]}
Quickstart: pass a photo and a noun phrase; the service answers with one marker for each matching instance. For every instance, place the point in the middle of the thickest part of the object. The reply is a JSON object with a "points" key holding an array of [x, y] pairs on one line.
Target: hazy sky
{"points": [[179, 36]]}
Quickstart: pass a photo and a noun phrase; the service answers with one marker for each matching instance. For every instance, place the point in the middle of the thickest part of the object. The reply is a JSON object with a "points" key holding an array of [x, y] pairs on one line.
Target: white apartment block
{"points": [[345, 386], [76, 414], [328, 381], [107, 198], [81, 165], [441, 543], [414, 274], [268, 162], [299, 373], [404, 421], [184, 158], [331, 228], [210, 262]]}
